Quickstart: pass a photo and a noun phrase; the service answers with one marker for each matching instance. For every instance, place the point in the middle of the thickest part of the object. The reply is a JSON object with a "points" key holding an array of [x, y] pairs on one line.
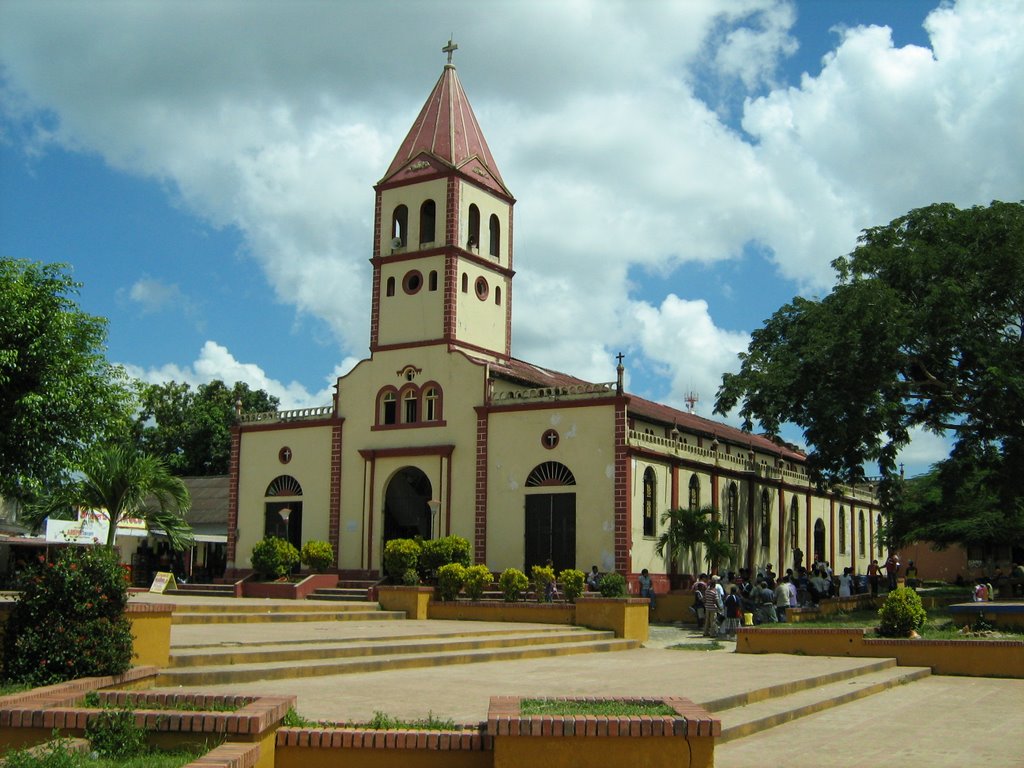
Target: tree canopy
{"points": [[191, 429], [58, 393], [921, 330]]}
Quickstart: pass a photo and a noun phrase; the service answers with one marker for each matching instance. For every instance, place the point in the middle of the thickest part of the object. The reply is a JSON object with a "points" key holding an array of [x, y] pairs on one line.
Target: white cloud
{"points": [[216, 362], [154, 295]]}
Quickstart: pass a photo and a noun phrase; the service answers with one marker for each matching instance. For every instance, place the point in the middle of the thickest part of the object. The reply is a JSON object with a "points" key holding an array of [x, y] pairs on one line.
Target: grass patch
{"points": [[7, 688], [380, 721], [56, 754], [939, 625], [609, 708], [92, 700], [710, 645]]}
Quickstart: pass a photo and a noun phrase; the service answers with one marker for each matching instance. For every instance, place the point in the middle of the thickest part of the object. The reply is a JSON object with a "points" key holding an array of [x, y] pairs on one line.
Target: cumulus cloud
{"points": [[277, 119]]}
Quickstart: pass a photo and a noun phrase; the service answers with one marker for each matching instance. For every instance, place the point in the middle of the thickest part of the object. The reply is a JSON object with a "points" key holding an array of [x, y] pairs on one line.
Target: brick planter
{"points": [[686, 739], [287, 590]]}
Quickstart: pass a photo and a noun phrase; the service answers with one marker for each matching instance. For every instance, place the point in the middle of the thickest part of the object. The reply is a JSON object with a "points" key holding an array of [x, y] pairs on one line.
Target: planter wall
{"points": [[627, 617], [151, 631], [979, 658], [412, 600], [286, 590], [498, 610]]}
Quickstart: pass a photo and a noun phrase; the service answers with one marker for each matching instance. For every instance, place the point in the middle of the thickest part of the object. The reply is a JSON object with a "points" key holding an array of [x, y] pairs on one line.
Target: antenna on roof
{"points": [[691, 401]]}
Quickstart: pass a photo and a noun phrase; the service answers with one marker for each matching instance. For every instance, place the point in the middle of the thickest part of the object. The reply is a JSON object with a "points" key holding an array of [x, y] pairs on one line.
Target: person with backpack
{"points": [[733, 612]]}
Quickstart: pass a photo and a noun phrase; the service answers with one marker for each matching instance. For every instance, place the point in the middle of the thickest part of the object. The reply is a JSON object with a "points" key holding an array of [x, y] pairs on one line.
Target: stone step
{"points": [[263, 653], [762, 710], [259, 607], [239, 673], [351, 594], [248, 617], [206, 590]]}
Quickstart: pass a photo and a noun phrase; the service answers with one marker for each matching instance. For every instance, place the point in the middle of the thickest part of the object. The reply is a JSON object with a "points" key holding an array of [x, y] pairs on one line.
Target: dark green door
{"points": [[551, 530]]}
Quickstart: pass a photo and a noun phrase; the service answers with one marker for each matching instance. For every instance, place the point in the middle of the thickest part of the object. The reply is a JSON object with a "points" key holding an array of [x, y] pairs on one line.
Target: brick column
{"points": [[334, 511], [480, 511], [621, 500], [233, 464]]}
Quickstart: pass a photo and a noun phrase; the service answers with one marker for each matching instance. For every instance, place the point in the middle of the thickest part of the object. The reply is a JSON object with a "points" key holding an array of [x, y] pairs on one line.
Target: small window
{"points": [[794, 524], [497, 295], [495, 232], [860, 534], [473, 235], [694, 492], [650, 512], [766, 519], [432, 404], [391, 287], [388, 409], [428, 215], [412, 282], [878, 531], [400, 226], [731, 520], [432, 280], [842, 530], [410, 401], [465, 283], [481, 288]]}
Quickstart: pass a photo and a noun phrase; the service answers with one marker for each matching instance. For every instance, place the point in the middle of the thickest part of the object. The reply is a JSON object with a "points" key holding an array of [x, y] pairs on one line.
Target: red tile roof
{"points": [[448, 131], [522, 372]]}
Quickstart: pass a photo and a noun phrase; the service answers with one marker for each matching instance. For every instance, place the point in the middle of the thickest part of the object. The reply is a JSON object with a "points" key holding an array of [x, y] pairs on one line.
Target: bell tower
{"points": [[442, 245]]}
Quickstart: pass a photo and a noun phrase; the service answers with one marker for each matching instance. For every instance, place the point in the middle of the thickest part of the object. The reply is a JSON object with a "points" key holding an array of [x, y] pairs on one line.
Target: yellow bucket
{"points": [[748, 619]]}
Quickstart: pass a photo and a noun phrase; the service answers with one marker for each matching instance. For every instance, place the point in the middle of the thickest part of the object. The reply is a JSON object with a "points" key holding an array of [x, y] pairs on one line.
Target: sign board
{"points": [[162, 581], [84, 531]]}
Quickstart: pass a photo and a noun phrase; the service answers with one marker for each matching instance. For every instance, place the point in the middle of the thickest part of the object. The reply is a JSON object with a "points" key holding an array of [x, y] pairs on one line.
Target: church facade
{"points": [[442, 431]]}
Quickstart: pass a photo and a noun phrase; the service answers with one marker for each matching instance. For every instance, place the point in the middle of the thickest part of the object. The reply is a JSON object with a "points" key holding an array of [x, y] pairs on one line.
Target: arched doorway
{"points": [[550, 528], [819, 539], [406, 511]]}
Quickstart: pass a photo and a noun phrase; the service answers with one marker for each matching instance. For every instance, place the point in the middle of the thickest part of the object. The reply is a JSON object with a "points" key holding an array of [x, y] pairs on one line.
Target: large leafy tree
{"points": [[124, 483], [58, 393], [191, 429], [923, 329]]}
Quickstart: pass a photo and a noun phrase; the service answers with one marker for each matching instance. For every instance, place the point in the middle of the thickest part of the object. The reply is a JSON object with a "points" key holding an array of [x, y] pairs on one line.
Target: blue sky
{"points": [[682, 169]]}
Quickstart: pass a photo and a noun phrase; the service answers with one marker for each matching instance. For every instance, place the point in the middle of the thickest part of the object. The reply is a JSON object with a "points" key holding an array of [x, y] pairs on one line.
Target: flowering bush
{"points": [[274, 557], [478, 578], [318, 555], [69, 621], [450, 578]]}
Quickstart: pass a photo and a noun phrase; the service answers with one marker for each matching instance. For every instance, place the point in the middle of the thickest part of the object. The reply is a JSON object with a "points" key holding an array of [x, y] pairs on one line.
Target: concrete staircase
{"points": [[246, 612], [202, 590], [760, 709], [238, 661]]}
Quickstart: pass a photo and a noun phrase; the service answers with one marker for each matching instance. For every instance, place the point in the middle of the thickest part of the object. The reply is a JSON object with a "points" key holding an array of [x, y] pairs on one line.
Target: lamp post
{"points": [[435, 506], [285, 514]]}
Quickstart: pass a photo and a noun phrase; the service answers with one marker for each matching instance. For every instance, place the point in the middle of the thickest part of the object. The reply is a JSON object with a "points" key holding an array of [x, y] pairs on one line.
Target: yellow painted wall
{"points": [[570, 752], [419, 316], [643, 546], [487, 204], [310, 466], [585, 447], [413, 196], [480, 321]]}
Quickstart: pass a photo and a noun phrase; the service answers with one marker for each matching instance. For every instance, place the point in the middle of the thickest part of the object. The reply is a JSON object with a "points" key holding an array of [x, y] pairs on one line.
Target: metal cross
{"points": [[450, 49], [620, 357]]}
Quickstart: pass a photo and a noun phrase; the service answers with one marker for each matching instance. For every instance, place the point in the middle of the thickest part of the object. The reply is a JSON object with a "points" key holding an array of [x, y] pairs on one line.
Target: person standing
{"points": [[874, 577], [712, 605], [782, 598], [647, 588], [846, 583], [733, 611], [892, 570]]}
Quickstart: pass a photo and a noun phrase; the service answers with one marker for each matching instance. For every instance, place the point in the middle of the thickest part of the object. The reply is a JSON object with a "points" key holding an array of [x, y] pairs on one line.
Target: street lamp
{"points": [[285, 514], [435, 506]]}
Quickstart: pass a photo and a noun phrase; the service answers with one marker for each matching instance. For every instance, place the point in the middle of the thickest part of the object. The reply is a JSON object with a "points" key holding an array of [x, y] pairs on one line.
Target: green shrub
{"points": [[512, 582], [901, 613], [612, 585], [56, 753], [450, 578], [542, 575], [438, 552], [401, 556], [573, 583], [318, 555], [411, 578], [69, 621], [274, 557], [478, 578], [113, 733]]}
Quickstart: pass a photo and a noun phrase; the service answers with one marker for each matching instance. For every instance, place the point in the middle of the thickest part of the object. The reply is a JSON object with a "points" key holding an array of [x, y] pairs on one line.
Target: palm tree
{"points": [[124, 483], [685, 530]]}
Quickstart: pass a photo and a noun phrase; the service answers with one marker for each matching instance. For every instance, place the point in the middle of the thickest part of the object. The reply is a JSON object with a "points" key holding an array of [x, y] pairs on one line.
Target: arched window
{"points": [[465, 283], [495, 232], [387, 412], [766, 519], [428, 215], [842, 529], [878, 531], [497, 295], [732, 514], [284, 485], [794, 524], [432, 403], [390, 290], [650, 512], [550, 473], [400, 225], [860, 534], [694, 492], [432, 280], [473, 236], [410, 406]]}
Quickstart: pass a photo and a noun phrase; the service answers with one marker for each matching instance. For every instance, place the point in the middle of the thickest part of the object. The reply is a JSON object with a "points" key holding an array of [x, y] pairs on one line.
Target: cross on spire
{"points": [[450, 49]]}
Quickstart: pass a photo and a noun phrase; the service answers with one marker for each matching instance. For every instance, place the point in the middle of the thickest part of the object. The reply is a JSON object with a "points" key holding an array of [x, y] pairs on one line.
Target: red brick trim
{"points": [[621, 490], [334, 510], [469, 738], [480, 506], [233, 465]]}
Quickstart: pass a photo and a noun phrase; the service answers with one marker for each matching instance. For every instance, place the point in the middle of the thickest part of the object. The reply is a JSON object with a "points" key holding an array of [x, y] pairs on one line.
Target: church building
{"points": [[441, 430]]}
